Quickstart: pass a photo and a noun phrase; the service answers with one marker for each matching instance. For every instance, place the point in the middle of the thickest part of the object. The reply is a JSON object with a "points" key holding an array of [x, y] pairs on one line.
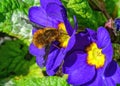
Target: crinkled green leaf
{"points": [[86, 17], [14, 58], [34, 78], [11, 12], [46, 81], [34, 73], [19, 69]]}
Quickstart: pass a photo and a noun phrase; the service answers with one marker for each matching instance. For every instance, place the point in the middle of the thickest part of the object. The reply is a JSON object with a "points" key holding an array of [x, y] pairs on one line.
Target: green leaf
{"points": [[34, 77], [113, 7], [11, 12], [85, 15], [46, 81], [13, 58]]}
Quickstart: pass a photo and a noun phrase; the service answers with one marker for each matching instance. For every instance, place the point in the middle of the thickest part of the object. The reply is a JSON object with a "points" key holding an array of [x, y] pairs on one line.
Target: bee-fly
{"points": [[44, 36]]}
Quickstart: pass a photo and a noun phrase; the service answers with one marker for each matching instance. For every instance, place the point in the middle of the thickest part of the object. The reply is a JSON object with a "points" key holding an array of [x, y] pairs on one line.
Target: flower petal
{"points": [[59, 59], [54, 11], [57, 62], [110, 69], [44, 3], [40, 61], [71, 61], [82, 41], [81, 76], [77, 68], [110, 82], [108, 52], [51, 59], [112, 72], [75, 43], [67, 23], [40, 17], [35, 51], [71, 43], [92, 34], [116, 76], [103, 37], [98, 80]]}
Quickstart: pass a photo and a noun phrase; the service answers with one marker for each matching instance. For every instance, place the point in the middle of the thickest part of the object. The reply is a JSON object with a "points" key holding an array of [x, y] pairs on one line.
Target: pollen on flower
{"points": [[64, 37], [95, 56], [61, 26]]}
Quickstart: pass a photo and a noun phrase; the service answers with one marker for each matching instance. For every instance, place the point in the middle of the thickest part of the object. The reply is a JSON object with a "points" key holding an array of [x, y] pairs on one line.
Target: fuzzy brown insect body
{"points": [[43, 37]]}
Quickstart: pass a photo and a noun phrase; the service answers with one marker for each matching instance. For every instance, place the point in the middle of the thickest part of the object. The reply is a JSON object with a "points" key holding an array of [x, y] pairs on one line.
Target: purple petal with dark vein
{"points": [[112, 72], [71, 42], [81, 41], [50, 61], [67, 23], [81, 76], [75, 42], [40, 61], [103, 38], [92, 34], [54, 11], [98, 80], [35, 51], [56, 63], [77, 68], [110, 69], [44, 3], [116, 76], [72, 61], [40, 17], [108, 52], [109, 82]]}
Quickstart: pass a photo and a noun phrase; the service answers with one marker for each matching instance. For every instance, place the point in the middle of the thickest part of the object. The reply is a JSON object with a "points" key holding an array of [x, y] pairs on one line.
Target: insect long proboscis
{"points": [[37, 26]]}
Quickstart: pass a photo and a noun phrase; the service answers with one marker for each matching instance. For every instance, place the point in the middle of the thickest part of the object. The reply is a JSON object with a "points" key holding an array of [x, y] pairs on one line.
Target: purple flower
{"points": [[117, 23], [89, 60], [50, 14]]}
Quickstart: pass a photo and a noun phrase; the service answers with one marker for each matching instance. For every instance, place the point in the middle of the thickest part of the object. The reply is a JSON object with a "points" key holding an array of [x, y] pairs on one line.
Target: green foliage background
{"points": [[17, 66]]}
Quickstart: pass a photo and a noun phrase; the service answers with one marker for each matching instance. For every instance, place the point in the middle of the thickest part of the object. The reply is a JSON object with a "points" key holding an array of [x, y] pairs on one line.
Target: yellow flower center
{"points": [[95, 56], [64, 37]]}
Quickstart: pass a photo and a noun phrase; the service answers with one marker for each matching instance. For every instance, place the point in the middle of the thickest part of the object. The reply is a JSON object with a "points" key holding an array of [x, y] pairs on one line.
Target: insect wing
{"points": [[32, 23]]}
